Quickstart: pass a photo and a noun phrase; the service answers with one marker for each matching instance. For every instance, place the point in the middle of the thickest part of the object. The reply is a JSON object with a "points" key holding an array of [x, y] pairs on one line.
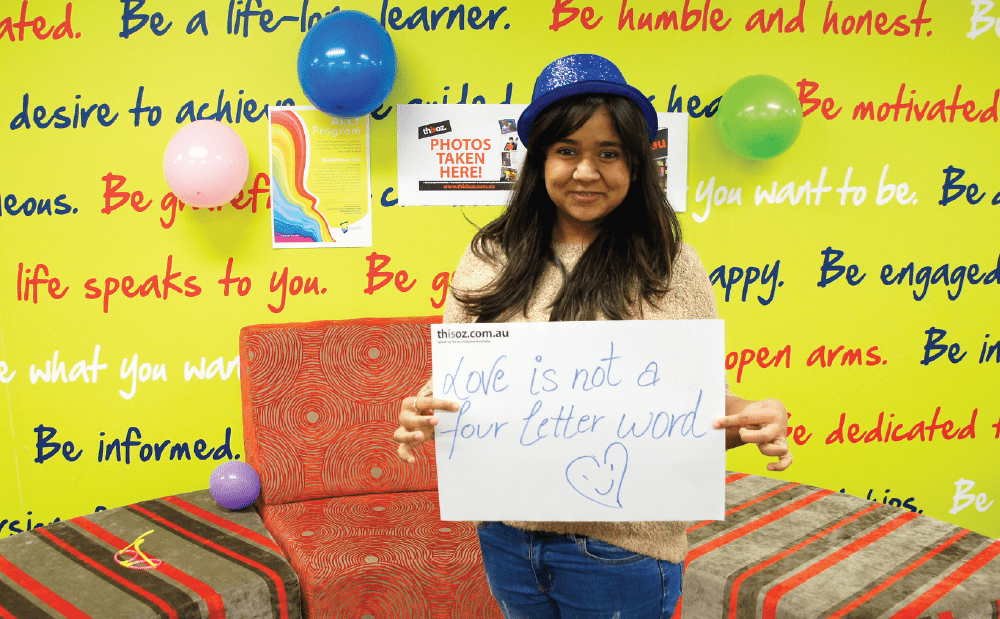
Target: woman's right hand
{"points": [[416, 423]]}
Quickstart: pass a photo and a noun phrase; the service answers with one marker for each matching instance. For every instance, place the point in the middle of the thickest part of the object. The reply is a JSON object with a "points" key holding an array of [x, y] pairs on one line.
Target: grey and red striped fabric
{"points": [[790, 550], [216, 564]]}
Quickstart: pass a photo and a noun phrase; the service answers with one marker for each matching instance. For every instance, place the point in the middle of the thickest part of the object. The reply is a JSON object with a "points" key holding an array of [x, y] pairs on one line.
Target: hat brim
{"points": [[527, 118]]}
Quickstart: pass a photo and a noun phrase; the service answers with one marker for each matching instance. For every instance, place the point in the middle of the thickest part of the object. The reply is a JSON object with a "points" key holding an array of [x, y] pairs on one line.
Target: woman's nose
{"points": [[585, 170]]}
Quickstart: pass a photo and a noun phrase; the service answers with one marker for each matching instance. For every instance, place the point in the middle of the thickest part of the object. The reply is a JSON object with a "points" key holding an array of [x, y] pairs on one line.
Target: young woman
{"points": [[588, 235]]}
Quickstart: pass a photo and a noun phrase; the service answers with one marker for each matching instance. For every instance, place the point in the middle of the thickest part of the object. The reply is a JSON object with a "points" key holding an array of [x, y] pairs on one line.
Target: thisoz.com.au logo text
{"points": [[470, 334]]}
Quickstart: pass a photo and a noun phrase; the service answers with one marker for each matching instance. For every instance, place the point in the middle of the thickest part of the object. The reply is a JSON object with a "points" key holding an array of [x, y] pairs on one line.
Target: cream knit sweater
{"points": [[690, 297]]}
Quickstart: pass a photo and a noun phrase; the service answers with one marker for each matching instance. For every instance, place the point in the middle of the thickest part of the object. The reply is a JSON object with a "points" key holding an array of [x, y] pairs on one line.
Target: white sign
{"points": [[581, 421], [670, 152], [457, 154], [470, 154]]}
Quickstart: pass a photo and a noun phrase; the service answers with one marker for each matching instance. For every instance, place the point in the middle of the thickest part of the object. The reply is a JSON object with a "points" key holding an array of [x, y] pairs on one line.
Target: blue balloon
{"points": [[347, 64]]}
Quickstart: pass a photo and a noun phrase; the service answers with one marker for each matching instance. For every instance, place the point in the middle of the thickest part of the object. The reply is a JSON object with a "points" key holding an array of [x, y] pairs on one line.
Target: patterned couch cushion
{"points": [[321, 401], [384, 555]]}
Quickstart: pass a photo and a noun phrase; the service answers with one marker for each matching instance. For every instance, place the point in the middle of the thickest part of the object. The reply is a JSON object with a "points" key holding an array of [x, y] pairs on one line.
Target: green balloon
{"points": [[759, 117]]}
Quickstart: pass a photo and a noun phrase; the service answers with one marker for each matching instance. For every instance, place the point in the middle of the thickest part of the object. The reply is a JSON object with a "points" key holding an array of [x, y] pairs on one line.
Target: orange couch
{"points": [[362, 530]]}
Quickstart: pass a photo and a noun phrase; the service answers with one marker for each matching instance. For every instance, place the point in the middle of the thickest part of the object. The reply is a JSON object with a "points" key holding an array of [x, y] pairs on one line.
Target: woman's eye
{"points": [[609, 154], [566, 152]]}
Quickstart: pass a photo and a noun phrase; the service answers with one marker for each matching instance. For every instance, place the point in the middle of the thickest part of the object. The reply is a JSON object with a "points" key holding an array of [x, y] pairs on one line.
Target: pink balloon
{"points": [[206, 163]]}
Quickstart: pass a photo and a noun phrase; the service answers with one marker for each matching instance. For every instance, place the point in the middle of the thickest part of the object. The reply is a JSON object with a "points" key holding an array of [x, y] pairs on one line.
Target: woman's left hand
{"points": [[764, 422]]}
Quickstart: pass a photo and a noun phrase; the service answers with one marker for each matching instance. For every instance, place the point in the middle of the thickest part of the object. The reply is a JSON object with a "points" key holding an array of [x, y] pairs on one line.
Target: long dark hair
{"points": [[632, 255]]}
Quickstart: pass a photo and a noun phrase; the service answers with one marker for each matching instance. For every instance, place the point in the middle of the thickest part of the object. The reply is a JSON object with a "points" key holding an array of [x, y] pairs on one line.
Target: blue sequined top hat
{"points": [[581, 74]]}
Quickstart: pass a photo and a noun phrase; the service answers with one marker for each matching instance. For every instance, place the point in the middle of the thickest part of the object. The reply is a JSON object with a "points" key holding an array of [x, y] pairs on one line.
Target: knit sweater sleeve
{"points": [[472, 274], [690, 295]]}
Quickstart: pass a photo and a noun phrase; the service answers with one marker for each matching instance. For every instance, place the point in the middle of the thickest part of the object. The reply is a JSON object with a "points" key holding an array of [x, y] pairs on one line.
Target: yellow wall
{"points": [[84, 60]]}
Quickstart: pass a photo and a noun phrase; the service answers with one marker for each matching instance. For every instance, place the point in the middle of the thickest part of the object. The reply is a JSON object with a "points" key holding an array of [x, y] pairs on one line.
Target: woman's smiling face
{"points": [[587, 177]]}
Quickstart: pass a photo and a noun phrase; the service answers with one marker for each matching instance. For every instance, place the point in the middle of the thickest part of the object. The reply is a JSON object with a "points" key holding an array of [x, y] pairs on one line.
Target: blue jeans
{"points": [[538, 575]]}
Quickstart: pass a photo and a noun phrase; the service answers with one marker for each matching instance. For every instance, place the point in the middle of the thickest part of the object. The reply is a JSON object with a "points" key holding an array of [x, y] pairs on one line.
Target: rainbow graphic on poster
{"points": [[295, 215], [320, 187]]}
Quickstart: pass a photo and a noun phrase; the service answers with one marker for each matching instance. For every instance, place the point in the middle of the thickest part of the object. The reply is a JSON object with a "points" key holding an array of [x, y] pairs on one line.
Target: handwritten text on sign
{"points": [[580, 421]]}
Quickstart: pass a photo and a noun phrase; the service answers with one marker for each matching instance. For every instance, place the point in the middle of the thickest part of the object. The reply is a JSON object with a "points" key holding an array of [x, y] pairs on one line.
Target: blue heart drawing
{"points": [[600, 483]]}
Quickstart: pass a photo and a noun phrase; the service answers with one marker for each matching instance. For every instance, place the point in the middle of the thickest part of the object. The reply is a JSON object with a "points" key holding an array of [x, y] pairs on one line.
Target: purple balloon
{"points": [[234, 484]]}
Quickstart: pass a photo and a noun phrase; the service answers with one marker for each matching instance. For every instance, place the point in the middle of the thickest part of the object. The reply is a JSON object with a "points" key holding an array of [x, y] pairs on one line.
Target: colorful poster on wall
{"points": [[457, 154], [320, 179]]}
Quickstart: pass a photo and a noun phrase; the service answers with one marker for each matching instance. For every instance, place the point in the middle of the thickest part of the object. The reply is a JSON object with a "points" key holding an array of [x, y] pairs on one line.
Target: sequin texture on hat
{"points": [[581, 74]]}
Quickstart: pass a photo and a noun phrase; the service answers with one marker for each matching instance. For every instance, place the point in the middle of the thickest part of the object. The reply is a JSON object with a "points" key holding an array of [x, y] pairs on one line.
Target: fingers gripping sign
{"points": [[764, 423], [417, 420]]}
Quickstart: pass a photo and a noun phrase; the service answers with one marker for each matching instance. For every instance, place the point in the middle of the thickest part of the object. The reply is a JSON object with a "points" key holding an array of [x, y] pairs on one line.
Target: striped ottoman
{"points": [[791, 550], [214, 563]]}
